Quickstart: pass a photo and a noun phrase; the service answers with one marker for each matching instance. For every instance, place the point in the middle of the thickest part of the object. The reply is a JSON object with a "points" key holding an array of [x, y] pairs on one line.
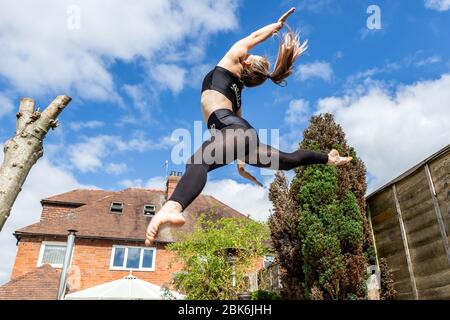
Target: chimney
{"points": [[172, 182]]}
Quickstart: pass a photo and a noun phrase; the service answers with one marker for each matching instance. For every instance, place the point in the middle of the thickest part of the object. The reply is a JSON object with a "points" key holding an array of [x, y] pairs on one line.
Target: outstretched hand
{"points": [[247, 175], [286, 15]]}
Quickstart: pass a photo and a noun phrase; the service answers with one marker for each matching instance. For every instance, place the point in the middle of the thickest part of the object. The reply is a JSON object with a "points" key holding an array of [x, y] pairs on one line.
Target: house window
{"points": [[149, 210], [133, 258], [52, 253], [268, 260], [116, 207]]}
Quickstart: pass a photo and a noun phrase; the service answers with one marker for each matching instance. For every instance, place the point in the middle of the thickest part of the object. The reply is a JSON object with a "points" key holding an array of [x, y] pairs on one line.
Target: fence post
{"points": [[405, 243]]}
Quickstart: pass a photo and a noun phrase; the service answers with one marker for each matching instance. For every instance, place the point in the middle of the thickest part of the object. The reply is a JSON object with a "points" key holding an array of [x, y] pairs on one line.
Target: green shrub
{"points": [[333, 243], [265, 295], [207, 274]]}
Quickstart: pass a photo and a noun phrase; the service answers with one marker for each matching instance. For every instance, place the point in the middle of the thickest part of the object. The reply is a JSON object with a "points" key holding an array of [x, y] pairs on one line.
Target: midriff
{"points": [[211, 101]]}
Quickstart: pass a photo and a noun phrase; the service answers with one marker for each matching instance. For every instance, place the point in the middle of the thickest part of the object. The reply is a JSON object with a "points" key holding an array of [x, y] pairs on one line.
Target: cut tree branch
{"points": [[25, 148]]}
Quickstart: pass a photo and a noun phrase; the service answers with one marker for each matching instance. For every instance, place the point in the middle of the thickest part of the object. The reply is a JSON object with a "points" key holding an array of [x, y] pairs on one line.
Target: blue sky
{"points": [[134, 72]]}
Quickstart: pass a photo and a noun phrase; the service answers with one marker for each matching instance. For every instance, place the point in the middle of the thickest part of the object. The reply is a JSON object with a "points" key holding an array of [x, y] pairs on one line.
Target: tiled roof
{"points": [[40, 284], [95, 220]]}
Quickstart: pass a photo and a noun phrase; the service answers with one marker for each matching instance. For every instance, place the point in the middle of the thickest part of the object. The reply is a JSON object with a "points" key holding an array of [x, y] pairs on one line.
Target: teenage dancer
{"points": [[233, 138]]}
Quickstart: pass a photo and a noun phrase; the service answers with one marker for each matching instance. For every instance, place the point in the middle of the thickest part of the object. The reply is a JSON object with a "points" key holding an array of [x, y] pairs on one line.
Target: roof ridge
{"points": [[146, 189], [52, 197]]}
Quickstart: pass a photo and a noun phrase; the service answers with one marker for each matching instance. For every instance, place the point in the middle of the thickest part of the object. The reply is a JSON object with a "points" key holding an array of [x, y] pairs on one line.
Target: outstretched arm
{"points": [[243, 46], [258, 36], [245, 174]]}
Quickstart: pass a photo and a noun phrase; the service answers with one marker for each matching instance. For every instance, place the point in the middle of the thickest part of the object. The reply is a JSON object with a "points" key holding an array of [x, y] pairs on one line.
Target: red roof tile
{"points": [[40, 284]]}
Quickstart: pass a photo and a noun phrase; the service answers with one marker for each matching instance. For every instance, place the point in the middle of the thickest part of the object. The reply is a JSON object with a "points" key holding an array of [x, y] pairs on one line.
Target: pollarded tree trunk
{"points": [[25, 148]]}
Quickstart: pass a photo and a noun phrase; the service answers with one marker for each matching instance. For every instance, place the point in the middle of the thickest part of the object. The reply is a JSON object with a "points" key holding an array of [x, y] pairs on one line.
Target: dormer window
{"points": [[149, 210], [116, 207]]}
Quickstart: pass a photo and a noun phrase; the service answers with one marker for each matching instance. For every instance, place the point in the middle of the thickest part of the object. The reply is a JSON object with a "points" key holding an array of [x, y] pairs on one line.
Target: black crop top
{"points": [[225, 82]]}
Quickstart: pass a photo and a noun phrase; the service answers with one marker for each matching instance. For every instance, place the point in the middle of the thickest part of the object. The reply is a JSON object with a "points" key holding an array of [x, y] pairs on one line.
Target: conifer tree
{"points": [[332, 242]]}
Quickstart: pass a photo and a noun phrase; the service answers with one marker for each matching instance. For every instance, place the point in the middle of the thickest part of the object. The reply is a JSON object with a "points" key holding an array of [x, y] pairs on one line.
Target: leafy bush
{"points": [[265, 295], [207, 273]]}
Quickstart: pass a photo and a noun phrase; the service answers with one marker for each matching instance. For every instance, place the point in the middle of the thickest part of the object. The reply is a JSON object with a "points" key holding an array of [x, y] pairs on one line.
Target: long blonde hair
{"points": [[289, 50]]}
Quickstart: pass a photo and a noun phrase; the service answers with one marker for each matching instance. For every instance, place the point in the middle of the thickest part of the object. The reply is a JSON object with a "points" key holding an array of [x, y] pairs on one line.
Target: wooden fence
{"points": [[410, 219]]}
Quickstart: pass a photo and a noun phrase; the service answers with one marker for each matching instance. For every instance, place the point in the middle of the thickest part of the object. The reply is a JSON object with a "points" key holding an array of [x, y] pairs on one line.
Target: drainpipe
{"points": [[66, 264]]}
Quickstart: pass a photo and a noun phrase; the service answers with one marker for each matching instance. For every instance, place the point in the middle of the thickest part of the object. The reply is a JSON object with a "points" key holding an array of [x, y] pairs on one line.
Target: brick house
{"points": [[109, 241]]}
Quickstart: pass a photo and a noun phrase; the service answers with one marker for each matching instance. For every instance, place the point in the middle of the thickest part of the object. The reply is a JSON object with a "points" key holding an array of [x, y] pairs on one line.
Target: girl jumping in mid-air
{"points": [[233, 138]]}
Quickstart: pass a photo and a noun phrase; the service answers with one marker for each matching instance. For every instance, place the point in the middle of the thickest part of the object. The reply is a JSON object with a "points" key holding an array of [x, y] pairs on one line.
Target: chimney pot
{"points": [[171, 183]]}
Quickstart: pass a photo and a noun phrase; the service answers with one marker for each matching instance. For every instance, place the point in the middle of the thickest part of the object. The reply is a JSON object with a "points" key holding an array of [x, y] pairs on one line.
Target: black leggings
{"points": [[234, 138]]}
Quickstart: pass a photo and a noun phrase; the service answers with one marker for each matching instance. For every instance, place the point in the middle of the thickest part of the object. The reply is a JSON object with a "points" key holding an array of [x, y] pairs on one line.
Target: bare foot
{"points": [[163, 216], [334, 159]]}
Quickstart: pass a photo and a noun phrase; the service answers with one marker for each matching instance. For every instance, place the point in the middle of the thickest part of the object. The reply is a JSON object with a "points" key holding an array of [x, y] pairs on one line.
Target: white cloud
{"points": [[6, 104], [319, 6], [89, 155], [163, 77], [230, 192], [169, 76], [439, 5], [140, 142], [116, 168], [297, 112], [45, 179], [317, 69], [366, 32], [158, 182], [416, 59], [41, 55], [77, 126], [338, 55], [295, 118], [394, 131], [428, 61], [197, 73], [140, 97]]}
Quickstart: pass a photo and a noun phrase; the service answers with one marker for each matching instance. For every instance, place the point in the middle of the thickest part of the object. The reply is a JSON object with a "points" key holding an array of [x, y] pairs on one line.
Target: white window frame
{"points": [[42, 249], [149, 215], [141, 257], [116, 212], [264, 258]]}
